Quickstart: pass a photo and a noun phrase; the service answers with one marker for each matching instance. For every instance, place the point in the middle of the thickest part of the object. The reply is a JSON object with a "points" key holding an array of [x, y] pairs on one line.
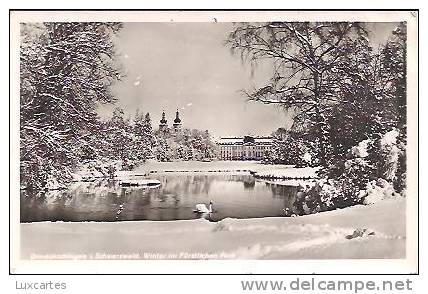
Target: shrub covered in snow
{"points": [[292, 151], [377, 190], [370, 173], [326, 194], [42, 174]]}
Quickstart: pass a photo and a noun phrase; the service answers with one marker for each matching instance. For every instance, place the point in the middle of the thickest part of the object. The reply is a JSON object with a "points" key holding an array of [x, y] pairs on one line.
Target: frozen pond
{"points": [[237, 196]]}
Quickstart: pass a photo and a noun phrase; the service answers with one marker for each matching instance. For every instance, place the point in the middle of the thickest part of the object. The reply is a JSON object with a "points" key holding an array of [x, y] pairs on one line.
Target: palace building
{"points": [[244, 148]]}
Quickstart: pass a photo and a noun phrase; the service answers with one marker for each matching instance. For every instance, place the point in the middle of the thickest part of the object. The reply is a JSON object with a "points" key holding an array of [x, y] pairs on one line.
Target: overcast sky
{"points": [[187, 66]]}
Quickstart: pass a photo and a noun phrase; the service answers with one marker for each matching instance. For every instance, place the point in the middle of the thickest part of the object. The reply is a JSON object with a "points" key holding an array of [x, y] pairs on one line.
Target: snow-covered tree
{"points": [[148, 134], [66, 70], [373, 103], [394, 65], [368, 109], [163, 150], [290, 147], [121, 138], [185, 144], [144, 139], [348, 100], [305, 56]]}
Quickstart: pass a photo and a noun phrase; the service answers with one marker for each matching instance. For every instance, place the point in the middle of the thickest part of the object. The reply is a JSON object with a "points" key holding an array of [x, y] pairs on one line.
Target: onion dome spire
{"points": [[177, 119], [163, 121]]}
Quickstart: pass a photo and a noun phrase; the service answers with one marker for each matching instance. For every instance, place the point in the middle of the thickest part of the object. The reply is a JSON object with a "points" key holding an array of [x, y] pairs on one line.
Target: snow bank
{"points": [[287, 173], [291, 182], [318, 236], [140, 183], [377, 191]]}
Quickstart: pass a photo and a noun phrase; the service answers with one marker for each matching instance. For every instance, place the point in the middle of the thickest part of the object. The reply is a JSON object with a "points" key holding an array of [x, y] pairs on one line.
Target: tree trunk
{"points": [[321, 123]]}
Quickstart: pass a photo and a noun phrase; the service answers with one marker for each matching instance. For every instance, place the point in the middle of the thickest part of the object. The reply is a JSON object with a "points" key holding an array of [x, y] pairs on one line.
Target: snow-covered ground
{"points": [[278, 172], [318, 236]]}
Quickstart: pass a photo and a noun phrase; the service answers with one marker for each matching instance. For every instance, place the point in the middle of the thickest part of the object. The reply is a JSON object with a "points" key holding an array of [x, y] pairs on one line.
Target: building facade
{"points": [[244, 148]]}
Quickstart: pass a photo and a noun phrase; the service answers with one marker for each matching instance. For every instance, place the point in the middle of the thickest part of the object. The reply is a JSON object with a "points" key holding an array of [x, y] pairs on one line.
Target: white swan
{"points": [[202, 208]]}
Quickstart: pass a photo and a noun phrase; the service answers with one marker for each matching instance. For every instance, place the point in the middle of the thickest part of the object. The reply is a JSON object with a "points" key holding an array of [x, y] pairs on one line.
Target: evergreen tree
{"points": [[371, 101], [394, 65], [149, 138], [120, 137], [184, 145]]}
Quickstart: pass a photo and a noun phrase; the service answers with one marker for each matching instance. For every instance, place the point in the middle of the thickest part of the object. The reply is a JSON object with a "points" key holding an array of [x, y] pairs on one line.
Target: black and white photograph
{"points": [[215, 136]]}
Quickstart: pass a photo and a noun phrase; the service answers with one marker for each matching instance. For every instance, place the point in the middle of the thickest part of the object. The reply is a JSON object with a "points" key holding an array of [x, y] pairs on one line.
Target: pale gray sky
{"points": [[186, 66]]}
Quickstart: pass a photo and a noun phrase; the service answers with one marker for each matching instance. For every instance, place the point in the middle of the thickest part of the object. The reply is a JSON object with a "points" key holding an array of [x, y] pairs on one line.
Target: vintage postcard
{"points": [[214, 142]]}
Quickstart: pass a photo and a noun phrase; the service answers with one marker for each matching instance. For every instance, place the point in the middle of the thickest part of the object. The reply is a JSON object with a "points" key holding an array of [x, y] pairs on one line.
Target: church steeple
{"points": [[177, 121], [163, 122]]}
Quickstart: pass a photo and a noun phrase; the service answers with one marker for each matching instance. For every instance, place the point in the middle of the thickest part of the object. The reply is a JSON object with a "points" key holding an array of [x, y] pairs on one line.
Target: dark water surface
{"points": [[238, 196]]}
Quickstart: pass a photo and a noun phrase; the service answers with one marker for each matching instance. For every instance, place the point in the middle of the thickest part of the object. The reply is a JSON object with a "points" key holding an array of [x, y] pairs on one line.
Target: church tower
{"points": [[177, 122], [163, 122]]}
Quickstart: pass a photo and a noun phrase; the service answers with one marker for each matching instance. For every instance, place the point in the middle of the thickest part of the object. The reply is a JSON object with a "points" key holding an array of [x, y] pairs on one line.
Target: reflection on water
{"points": [[233, 196]]}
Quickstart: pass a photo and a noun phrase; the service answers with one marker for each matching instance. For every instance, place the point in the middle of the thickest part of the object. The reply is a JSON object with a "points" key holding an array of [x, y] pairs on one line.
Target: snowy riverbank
{"points": [[212, 166], [94, 170], [318, 236], [259, 170]]}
